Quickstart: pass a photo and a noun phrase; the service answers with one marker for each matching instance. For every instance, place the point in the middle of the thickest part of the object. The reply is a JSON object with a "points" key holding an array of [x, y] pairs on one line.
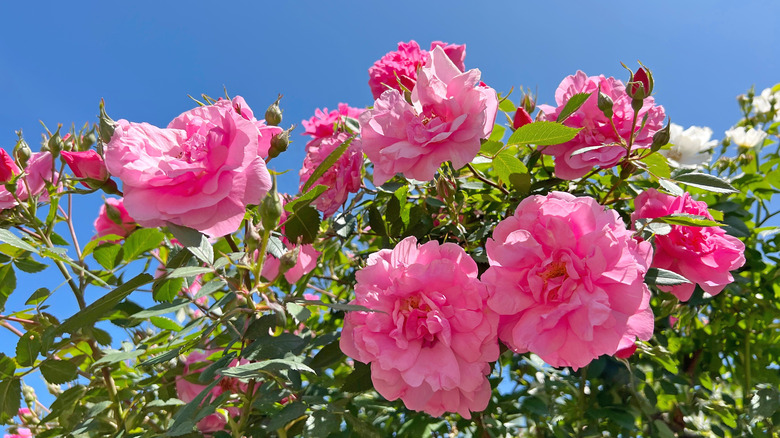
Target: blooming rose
{"points": [[87, 164], [306, 261], [342, 178], [321, 125], [39, 170], [690, 148], [747, 138], [403, 65], [201, 172], [596, 127], [766, 102], [114, 219], [567, 278], [188, 391], [703, 255], [432, 337], [239, 105], [448, 115], [21, 432]]}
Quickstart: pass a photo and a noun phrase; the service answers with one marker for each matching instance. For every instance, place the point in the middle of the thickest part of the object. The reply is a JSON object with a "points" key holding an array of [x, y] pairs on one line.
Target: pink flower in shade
{"points": [[403, 65], [432, 336], [38, 172], [448, 115], [239, 105], [87, 164], [114, 219], [321, 125], [21, 432], [188, 391], [343, 178], [306, 262], [567, 278], [596, 128], [201, 172], [703, 255]]}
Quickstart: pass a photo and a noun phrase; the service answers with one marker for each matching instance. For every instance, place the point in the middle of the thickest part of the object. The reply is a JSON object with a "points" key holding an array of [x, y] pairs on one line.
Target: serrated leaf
{"points": [[659, 228], [359, 380], [99, 240], [275, 247], [7, 283], [662, 277], [65, 402], [58, 372], [671, 187], [344, 225], [27, 349], [304, 224], [490, 147], [507, 106], [162, 309], [30, 266], [339, 306], [542, 133], [7, 367], [37, 297], [689, 220], [506, 163], [706, 182], [288, 413], [188, 271], [305, 199], [252, 370], [327, 163], [209, 288], [160, 358], [300, 313], [10, 398], [11, 239], [573, 104], [141, 241], [657, 165], [376, 221], [195, 242], [164, 323], [329, 354], [90, 314], [166, 289], [107, 255]]}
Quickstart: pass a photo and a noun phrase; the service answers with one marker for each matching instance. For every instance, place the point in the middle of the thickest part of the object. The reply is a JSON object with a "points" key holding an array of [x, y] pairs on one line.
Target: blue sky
{"points": [[57, 60]]}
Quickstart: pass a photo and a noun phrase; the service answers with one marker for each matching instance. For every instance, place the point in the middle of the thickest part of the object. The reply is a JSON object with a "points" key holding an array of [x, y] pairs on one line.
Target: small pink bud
{"points": [[522, 118], [87, 164]]}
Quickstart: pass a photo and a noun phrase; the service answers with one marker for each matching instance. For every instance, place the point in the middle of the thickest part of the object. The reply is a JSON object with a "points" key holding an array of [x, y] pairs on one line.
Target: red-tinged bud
{"points": [[522, 118], [8, 168], [640, 85], [528, 101], [88, 165]]}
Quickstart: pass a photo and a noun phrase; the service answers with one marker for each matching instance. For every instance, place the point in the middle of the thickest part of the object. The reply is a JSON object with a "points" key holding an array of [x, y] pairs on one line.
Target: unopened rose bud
{"points": [[114, 214], [106, 126], [279, 143], [605, 104], [22, 152], [640, 85], [528, 102], [55, 144], [252, 239], [29, 394], [273, 115], [87, 141], [522, 118], [661, 138], [11, 186], [288, 260], [627, 170], [445, 188], [271, 208]]}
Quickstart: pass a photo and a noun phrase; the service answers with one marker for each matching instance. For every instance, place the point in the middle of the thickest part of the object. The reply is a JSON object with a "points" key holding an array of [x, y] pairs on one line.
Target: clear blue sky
{"points": [[57, 60]]}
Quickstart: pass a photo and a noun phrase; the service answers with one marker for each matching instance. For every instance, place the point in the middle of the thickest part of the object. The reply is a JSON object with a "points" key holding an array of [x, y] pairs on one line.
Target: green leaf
{"points": [[329, 354], [359, 380], [542, 134], [103, 305], [300, 313], [10, 398], [251, 370], [37, 297], [107, 255], [344, 225], [99, 240], [498, 133], [65, 402], [27, 349], [657, 165], [506, 163], [30, 266], [194, 241], [185, 418], [140, 241], [490, 147], [160, 358], [376, 222], [706, 182], [162, 309], [7, 367], [574, 103], [209, 288], [288, 413], [188, 271], [208, 374], [58, 372], [267, 347], [11, 239], [7, 283], [164, 323], [326, 164], [507, 106], [689, 220], [663, 429], [340, 306], [662, 277], [306, 198], [275, 247], [166, 289], [303, 224]]}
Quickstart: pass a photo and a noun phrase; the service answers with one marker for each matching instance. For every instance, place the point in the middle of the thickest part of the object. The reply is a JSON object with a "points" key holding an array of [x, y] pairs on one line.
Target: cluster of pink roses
{"points": [[31, 182]]}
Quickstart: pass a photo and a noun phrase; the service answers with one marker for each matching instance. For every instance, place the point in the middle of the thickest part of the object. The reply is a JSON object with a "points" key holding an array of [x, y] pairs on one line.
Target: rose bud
{"points": [[522, 118], [89, 165], [273, 115]]}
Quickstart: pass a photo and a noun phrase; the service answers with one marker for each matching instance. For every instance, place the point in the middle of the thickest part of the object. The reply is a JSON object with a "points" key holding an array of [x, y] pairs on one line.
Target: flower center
{"points": [[419, 317], [550, 277]]}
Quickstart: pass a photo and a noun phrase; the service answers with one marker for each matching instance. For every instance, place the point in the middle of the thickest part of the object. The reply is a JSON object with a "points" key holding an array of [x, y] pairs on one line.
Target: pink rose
{"points": [[567, 278], [188, 391], [343, 178], [321, 125], [597, 129], [239, 105], [114, 219], [201, 172], [448, 115], [433, 336], [703, 255], [38, 172], [87, 164], [403, 65], [21, 432]]}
